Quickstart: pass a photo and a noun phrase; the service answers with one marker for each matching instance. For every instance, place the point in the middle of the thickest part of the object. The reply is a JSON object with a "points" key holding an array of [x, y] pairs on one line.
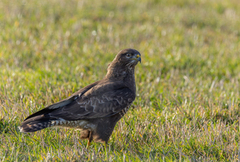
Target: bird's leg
{"points": [[89, 139], [89, 143]]}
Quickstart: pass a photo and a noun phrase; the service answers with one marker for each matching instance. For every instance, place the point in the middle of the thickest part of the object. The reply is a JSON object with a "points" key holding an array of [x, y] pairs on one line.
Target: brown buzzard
{"points": [[96, 108]]}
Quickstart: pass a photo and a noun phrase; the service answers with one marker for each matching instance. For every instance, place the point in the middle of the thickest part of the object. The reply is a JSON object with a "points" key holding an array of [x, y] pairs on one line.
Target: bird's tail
{"points": [[37, 123]]}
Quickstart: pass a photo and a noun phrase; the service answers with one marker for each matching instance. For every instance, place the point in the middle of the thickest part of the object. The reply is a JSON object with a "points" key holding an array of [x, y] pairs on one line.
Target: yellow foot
{"points": [[88, 144]]}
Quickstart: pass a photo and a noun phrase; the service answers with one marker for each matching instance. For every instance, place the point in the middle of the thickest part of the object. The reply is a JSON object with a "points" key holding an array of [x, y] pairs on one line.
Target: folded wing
{"points": [[96, 105]]}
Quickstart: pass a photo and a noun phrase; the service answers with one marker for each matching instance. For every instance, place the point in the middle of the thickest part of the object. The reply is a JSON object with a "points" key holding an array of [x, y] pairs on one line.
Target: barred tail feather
{"points": [[36, 123]]}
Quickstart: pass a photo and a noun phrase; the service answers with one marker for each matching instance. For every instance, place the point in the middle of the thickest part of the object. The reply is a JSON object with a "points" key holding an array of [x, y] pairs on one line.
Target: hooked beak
{"points": [[138, 58]]}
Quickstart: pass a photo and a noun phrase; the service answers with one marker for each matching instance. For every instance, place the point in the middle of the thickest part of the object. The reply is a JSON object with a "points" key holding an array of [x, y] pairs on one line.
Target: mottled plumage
{"points": [[96, 108]]}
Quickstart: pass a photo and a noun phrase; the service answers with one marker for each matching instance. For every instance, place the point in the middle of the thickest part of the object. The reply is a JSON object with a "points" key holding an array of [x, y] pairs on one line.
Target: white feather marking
{"points": [[20, 128], [53, 122]]}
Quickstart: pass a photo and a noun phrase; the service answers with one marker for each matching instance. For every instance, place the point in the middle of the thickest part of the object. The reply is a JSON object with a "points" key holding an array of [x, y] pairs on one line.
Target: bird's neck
{"points": [[125, 75]]}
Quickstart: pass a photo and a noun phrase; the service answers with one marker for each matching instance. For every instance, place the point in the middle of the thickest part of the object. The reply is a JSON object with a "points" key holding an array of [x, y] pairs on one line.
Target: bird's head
{"points": [[123, 64], [127, 58]]}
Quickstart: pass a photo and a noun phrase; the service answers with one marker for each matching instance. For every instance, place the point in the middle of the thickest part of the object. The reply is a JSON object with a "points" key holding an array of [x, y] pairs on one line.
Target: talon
{"points": [[89, 139]]}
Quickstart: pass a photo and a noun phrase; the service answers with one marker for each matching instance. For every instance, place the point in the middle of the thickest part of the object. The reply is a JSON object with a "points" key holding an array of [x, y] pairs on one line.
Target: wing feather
{"points": [[63, 103], [97, 104]]}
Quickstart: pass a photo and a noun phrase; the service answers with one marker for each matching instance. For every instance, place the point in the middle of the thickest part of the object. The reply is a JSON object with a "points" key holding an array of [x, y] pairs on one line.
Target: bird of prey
{"points": [[96, 108]]}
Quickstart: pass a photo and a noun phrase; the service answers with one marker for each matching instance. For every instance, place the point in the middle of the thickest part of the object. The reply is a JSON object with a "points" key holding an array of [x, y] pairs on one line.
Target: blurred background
{"points": [[188, 83]]}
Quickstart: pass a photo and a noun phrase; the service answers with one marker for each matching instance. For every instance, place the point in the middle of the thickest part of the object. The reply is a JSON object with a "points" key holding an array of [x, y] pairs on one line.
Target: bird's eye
{"points": [[128, 55]]}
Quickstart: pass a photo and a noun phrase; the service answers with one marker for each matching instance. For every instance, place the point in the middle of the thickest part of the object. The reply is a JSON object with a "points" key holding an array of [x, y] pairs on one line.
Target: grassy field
{"points": [[188, 85]]}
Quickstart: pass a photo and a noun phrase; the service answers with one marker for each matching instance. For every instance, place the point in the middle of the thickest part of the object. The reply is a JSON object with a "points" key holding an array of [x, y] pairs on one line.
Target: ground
{"points": [[187, 104]]}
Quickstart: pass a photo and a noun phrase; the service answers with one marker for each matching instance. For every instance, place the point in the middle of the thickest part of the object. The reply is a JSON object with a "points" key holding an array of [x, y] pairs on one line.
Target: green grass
{"points": [[188, 85]]}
